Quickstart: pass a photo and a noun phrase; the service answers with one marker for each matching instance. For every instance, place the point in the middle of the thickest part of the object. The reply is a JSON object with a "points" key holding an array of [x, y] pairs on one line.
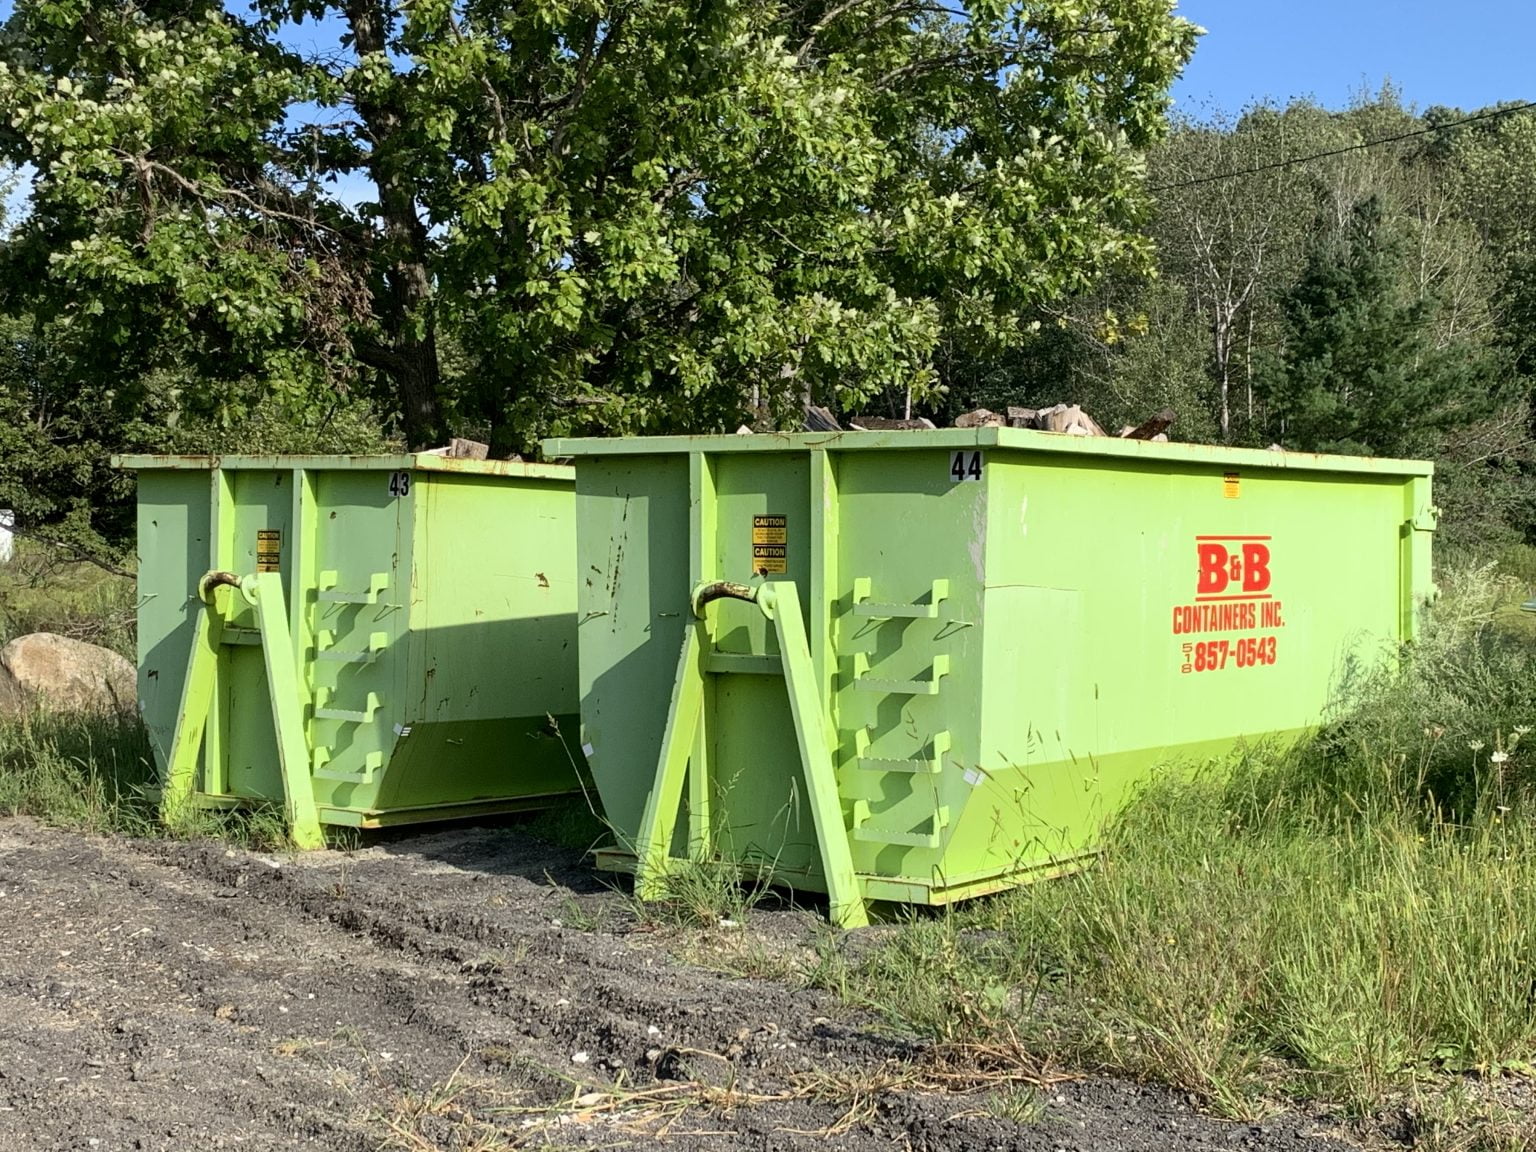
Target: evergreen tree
{"points": [[1359, 370]]}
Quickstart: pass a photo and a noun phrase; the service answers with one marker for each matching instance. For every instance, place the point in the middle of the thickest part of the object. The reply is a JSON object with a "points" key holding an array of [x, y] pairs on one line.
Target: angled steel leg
{"points": [[780, 602], [265, 592], [660, 820], [197, 692]]}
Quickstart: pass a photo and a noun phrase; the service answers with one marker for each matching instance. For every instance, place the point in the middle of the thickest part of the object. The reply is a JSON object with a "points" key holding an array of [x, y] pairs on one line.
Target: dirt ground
{"points": [[466, 989]]}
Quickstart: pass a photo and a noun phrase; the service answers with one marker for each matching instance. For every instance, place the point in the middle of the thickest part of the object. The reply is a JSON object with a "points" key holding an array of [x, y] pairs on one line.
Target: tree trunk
{"points": [[1223, 339], [1248, 368], [410, 357]]}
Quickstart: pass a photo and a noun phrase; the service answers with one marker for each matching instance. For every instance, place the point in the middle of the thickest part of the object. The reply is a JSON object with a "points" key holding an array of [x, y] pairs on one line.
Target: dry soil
{"points": [[460, 989]]}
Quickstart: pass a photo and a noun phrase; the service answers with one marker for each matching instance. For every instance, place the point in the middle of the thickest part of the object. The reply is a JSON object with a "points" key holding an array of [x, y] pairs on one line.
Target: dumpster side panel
{"points": [[173, 552], [911, 534], [493, 614], [1144, 614], [632, 597], [355, 589]]}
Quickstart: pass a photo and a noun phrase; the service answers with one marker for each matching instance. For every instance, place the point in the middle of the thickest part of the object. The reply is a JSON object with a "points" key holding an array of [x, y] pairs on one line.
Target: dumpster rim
{"points": [[1025, 440], [384, 462]]}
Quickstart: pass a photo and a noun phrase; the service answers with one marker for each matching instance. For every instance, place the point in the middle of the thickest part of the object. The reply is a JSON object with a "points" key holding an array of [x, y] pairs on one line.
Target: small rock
{"points": [[579, 1058]]}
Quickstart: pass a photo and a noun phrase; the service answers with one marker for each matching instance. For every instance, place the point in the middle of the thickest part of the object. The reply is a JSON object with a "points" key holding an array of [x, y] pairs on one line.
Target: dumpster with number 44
{"points": [[919, 666]]}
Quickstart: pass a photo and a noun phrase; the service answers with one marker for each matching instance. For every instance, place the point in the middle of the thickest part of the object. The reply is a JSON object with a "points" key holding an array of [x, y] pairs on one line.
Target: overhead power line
{"points": [[1360, 147]]}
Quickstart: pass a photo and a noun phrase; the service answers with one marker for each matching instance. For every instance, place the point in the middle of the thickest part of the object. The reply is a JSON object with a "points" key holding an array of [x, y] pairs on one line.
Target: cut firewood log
{"points": [[1152, 427], [980, 418], [889, 424], [459, 448], [1068, 419], [818, 419]]}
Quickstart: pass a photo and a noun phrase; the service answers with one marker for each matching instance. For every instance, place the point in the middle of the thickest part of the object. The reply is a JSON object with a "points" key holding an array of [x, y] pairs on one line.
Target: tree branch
{"points": [[72, 551]]}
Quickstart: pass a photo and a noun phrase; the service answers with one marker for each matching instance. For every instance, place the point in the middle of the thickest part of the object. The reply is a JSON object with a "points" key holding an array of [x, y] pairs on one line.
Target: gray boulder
{"points": [[53, 671]]}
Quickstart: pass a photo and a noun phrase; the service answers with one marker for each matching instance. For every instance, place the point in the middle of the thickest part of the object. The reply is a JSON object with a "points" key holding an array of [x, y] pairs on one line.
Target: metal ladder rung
{"points": [[377, 642], [371, 764], [867, 683], [929, 765], [354, 716], [377, 583], [863, 606], [934, 838]]}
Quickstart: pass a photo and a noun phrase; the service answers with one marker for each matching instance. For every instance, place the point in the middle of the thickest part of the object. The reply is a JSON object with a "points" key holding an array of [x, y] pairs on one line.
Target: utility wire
{"points": [[1360, 147]]}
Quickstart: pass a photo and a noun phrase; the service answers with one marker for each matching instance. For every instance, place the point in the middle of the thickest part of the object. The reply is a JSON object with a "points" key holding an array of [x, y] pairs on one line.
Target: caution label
{"points": [[1231, 485], [269, 550], [770, 545]]}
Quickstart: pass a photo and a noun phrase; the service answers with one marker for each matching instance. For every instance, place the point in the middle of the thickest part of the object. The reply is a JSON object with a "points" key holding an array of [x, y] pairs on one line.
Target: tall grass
{"points": [[89, 771], [94, 772], [1337, 921]]}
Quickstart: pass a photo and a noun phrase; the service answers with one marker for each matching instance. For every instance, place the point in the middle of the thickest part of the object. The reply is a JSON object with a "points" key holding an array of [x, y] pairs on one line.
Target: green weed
{"points": [[703, 894], [1021, 1104], [95, 772]]}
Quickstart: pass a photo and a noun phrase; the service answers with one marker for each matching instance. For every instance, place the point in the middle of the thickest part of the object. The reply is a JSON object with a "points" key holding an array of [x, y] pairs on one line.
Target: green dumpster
{"points": [[921, 666], [368, 640]]}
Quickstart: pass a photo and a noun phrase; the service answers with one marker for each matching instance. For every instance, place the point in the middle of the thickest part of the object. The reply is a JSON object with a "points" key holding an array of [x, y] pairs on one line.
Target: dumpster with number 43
{"points": [[366, 640]]}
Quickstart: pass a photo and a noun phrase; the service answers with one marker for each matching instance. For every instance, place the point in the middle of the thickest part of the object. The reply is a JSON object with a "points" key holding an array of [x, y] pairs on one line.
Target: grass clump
{"points": [[1345, 920], [703, 894], [90, 771], [94, 772]]}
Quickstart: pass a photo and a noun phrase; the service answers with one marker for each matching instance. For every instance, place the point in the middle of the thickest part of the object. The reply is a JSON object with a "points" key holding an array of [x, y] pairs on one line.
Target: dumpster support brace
{"points": [[265, 593], [779, 602]]}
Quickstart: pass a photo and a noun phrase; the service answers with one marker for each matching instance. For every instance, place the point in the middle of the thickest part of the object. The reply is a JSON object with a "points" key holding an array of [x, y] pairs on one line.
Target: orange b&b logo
{"points": [[1232, 564], [1233, 593]]}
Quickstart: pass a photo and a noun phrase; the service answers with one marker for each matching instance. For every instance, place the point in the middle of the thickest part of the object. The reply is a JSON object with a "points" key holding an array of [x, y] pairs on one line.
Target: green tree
{"points": [[641, 216], [1490, 176], [1359, 371]]}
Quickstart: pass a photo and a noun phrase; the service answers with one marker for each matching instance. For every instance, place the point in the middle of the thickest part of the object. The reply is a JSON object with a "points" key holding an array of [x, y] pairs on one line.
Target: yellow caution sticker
{"points": [[770, 545], [269, 550], [1229, 485]]}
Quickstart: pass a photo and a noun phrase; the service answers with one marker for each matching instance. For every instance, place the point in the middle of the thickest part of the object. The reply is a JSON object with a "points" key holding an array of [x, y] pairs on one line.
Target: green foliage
{"points": [[59, 430], [1490, 171], [655, 217], [1359, 372]]}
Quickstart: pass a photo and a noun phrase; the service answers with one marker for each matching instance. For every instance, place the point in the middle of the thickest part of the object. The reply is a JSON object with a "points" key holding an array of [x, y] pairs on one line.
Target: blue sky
{"points": [[1466, 54]]}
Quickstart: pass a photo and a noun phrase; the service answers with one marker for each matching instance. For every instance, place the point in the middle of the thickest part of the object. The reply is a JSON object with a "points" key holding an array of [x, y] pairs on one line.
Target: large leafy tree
{"points": [[518, 216]]}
